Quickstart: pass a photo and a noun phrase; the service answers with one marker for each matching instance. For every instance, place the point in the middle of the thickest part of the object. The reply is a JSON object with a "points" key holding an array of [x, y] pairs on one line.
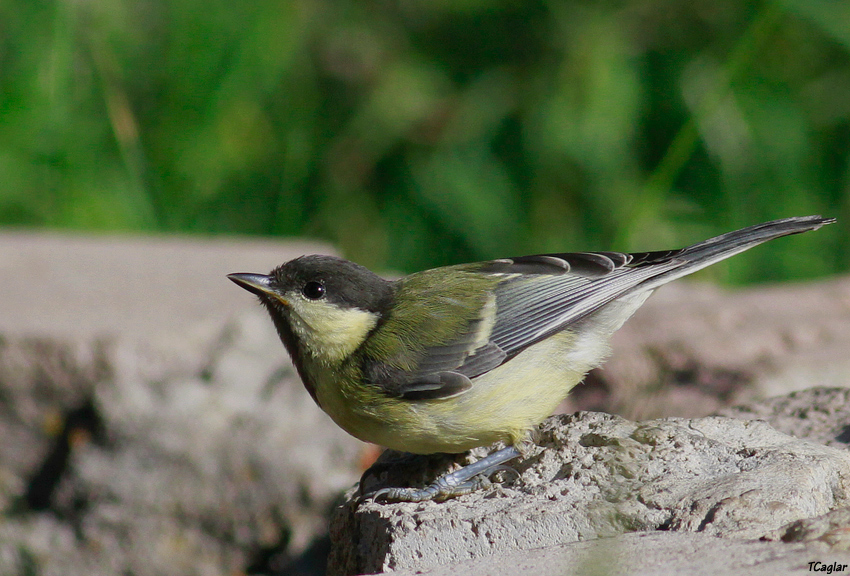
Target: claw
{"points": [[457, 483], [501, 468]]}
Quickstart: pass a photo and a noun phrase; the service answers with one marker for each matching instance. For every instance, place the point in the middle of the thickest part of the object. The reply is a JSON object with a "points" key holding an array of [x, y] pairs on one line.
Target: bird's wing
{"points": [[530, 307], [523, 301], [532, 297]]}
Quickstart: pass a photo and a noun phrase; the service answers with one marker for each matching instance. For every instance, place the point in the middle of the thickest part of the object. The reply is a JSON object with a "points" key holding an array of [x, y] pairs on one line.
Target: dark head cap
{"points": [[318, 277]]}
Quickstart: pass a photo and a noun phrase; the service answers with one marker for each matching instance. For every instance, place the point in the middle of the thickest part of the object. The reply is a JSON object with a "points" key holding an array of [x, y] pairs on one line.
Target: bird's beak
{"points": [[258, 284]]}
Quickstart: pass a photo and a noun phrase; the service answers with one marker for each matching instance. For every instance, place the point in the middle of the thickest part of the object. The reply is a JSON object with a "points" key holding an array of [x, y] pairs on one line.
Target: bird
{"points": [[468, 355]]}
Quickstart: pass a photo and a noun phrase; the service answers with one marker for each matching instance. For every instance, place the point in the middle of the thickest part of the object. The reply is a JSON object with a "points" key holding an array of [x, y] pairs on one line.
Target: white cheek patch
{"points": [[328, 332]]}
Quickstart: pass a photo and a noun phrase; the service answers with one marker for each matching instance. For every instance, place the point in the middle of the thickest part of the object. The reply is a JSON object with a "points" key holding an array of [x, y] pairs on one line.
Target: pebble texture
{"points": [[818, 414], [593, 476]]}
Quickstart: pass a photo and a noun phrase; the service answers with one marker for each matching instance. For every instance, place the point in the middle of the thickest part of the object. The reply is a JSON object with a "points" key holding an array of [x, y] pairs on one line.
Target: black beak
{"points": [[258, 284]]}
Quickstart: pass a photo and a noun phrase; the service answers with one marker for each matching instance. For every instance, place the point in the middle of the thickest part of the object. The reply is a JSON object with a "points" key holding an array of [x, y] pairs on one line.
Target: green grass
{"points": [[419, 134]]}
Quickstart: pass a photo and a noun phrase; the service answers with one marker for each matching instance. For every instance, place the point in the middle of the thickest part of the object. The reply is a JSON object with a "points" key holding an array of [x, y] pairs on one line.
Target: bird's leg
{"points": [[457, 483]]}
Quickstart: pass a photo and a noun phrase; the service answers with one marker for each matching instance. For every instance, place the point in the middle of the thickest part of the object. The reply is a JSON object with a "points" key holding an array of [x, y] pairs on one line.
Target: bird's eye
{"points": [[313, 290]]}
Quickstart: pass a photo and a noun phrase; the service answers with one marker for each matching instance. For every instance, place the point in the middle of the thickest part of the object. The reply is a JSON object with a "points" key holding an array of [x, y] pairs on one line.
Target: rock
{"points": [[652, 554], [152, 421], [83, 287], [595, 476], [832, 528], [817, 414]]}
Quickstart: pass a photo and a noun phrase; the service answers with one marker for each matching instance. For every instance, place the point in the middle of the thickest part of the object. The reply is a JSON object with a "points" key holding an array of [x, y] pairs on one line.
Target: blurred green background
{"points": [[415, 134]]}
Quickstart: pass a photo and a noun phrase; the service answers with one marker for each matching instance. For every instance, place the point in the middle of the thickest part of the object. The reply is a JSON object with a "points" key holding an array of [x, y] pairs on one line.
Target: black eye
{"points": [[313, 290]]}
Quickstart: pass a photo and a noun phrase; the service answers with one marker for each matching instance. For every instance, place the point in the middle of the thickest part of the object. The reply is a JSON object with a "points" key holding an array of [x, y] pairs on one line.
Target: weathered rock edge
{"points": [[653, 554], [593, 475]]}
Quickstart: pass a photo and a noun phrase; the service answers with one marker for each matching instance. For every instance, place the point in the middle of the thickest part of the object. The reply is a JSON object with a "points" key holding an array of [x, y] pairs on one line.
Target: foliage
{"points": [[415, 134]]}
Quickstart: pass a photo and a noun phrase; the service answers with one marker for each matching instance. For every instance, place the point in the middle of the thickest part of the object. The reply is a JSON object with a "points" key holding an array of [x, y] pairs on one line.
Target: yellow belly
{"points": [[502, 405]]}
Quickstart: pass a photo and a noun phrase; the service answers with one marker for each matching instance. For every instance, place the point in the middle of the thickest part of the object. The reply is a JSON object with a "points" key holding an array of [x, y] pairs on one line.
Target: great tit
{"points": [[462, 356]]}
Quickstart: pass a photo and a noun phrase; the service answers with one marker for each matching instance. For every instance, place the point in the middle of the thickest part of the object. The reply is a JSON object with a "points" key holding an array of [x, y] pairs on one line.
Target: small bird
{"points": [[463, 356]]}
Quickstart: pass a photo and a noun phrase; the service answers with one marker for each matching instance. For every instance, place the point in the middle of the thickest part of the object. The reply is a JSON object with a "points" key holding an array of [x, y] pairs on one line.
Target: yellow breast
{"points": [[503, 404]]}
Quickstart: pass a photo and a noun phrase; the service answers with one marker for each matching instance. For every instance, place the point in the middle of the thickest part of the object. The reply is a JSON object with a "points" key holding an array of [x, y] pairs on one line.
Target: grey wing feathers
{"points": [[587, 264], [443, 371], [456, 355], [544, 294], [713, 250], [529, 308]]}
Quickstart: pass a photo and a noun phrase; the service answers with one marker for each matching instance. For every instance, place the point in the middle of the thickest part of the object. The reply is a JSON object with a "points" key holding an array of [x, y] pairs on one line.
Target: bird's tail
{"points": [[713, 250]]}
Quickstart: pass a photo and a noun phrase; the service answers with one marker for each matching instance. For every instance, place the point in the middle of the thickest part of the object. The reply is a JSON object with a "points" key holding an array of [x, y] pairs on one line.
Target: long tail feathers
{"points": [[713, 250]]}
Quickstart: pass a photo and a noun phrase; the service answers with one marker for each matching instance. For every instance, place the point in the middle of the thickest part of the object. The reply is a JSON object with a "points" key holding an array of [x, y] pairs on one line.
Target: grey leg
{"points": [[453, 484]]}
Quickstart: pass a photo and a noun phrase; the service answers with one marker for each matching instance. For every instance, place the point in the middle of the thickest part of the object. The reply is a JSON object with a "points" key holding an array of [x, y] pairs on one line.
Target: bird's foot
{"points": [[463, 481]]}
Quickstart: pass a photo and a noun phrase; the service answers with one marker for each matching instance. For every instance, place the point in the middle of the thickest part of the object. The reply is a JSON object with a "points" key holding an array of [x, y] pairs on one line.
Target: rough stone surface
{"points": [[593, 476], [832, 529], [817, 414], [652, 554], [151, 420]]}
